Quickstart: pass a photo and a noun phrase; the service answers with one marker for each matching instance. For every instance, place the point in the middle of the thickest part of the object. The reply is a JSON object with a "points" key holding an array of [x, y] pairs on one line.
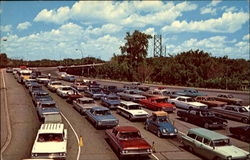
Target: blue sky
{"points": [[54, 30]]}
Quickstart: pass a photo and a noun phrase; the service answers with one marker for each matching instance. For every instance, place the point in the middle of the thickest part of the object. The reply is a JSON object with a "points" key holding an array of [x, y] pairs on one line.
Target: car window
{"points": [[198, 138], [191, 135], [243, 110], [193, 112], [221, 142], [206, 141]]}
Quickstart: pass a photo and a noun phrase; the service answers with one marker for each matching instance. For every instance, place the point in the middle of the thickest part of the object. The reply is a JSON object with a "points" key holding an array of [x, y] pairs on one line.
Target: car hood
{"points": [[231, 151], [197, 104], [50, 110], [135, 144], [49, 147], [56, 86], [105, 118], [137, 111], [166, 125]]}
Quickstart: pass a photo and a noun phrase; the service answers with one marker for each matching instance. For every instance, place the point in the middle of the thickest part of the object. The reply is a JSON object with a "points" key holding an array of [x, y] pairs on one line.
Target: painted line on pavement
{"points": [[155, 156], [79, 148], [9, 135]]}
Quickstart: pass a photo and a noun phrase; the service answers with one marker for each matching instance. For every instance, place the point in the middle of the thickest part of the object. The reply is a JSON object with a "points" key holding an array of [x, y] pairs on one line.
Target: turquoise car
{"points": [[212, 145]]}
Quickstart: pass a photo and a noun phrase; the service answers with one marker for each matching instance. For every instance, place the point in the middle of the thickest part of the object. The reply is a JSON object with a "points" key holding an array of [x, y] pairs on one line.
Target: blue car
{"points": [[160, 124], [101, 117], [111, 101], [190, 93], [95, 93], [70, 78]]}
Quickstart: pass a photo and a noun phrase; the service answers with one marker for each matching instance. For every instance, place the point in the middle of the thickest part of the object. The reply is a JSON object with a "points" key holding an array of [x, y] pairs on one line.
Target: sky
{"points": [[34, 30]]}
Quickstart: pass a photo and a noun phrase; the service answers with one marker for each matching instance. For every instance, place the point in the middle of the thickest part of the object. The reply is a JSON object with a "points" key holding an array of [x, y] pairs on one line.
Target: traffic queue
{"points": [[96, 102]]}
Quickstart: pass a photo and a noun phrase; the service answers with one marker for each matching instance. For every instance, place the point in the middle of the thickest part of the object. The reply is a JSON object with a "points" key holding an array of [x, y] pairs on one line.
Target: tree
{"points": [[136, 47], [3, 60]]}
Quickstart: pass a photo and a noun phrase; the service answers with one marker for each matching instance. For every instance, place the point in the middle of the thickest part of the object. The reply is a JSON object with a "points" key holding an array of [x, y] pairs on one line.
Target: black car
{"points": [[242, 132], [202, 118], [108, 89]]}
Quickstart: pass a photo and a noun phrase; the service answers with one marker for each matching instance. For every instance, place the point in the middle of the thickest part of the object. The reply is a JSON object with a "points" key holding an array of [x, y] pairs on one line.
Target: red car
{"points": [[127, 141], [158, 104]]}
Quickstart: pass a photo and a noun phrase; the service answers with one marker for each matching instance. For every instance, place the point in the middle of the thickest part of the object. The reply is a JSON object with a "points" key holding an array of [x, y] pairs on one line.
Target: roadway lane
{"points": [[23, 119], [4, 129]]}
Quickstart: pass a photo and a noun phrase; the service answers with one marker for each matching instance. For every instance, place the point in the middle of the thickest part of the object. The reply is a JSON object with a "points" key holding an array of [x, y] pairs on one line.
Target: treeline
{"points": [[7, 62], [192, 68]]}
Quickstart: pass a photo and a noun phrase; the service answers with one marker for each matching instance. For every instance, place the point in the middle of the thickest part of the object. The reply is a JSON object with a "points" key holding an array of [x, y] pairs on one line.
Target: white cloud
{"points": [[24, 25], [231, 9], [228, 23], [246, 37], [212, 11], [58, 16], [135, 14], [6, 28], [214, 3], [106, 28], [150, 31]]}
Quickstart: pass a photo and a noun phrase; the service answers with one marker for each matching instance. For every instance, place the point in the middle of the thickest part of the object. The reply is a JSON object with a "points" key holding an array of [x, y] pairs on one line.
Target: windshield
{"points": [[105, 112], [221, 142], [42, 77], [243, 109], [49, 105], [48, 98], [66, 89], [50, 137], [96, 90], [26, 74], [163, 100], [129, 135], [163, 119], [190, 100], [87, 102], [113, 98], [134, 107], [210, 99], [206, 114], [57, 83]]}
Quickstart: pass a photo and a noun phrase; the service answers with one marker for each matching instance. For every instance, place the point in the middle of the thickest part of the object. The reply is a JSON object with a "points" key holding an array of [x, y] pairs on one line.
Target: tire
{"points": [[244, 120], [185, 119], [146, 126], [206, 125], [191, 149], [159, 134]]}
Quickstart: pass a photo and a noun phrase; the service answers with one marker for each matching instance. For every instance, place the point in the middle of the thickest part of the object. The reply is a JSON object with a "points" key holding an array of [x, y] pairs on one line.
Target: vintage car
{"points": [[34, 86], [108, 89], [160, 124], [143, 88], [69, 78], [50, 142], [228, 98], [101, 117], [132, 111], [28, 82], [212, 145], [9, 70], [83, 104], [158, 104], [53, 85], [210, 101], [202, 118], [65, 91], [80, 86], [43, 79], [233, 112], [72, 97], [111, 101], [95, 93], [190, 93], [61, 75], [187, 103], [242, 132], [45, 108], [131, 95], [127, 141]]}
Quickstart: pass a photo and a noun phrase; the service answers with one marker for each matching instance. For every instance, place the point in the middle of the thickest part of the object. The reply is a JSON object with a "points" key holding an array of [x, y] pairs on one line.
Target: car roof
{"points": [[126, 129], [85, 99], [160, 113], [48, 102], [99, 108], [111, 95], [208, 134], [51, 128], [129, 103], [183, 97]]}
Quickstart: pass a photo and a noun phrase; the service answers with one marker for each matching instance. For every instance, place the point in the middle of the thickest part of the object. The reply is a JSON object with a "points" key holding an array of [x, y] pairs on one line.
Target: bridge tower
{"points": [[157, 46]]}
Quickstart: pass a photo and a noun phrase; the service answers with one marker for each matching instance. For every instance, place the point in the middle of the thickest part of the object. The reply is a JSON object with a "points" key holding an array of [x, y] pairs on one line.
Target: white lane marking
{"points": [[155, 156], [79, 148], [8, 119]]}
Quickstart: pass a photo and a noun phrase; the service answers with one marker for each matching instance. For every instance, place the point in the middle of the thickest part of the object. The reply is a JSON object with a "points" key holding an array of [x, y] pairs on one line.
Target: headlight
{"points": [[34, 154], [149, 150], [164, 130], [62, 154], [229, 157], [175, 130], [99, 123], [125, 151]]}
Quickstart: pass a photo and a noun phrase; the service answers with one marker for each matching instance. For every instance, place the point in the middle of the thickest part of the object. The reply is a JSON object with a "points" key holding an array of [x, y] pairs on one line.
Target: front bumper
{"points": [[107, 124], [217, 125], [138, 152], [48, 156]]}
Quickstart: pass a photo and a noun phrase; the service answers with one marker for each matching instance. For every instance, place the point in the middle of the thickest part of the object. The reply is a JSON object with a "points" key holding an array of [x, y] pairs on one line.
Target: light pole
{"points": [[82, 59]]}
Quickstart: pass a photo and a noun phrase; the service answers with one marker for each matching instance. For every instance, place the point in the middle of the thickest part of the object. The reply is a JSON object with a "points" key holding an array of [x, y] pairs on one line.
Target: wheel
{"points": [[206, 125], [244, 120], [146, 126], [185, 119], [159, 133], [190, 149]]}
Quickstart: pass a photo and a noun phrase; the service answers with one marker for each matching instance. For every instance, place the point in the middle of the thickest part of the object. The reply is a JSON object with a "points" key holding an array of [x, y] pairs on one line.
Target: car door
{"points": [[154, 124], [206, 149]]}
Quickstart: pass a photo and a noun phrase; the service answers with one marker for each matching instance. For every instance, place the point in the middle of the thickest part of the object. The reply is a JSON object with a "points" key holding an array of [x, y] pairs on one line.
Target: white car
{"points": [[50, 142], [43, 79], [132, 111], [187, 103], [53, 85], [83, 104], [65, 91]]}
